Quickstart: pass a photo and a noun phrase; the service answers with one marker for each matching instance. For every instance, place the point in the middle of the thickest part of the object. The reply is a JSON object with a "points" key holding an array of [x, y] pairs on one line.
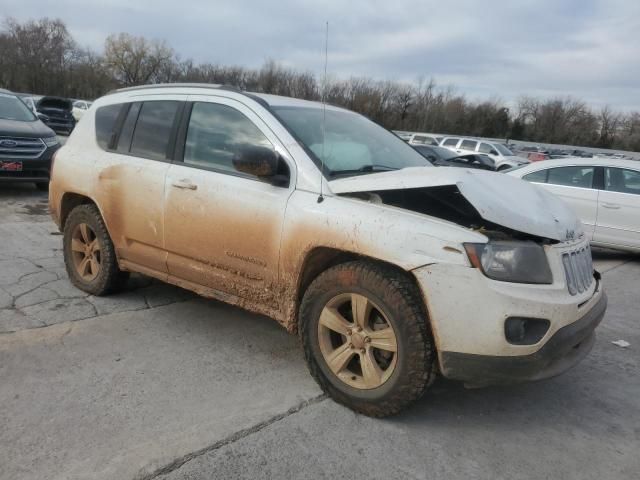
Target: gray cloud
{"points": [[584, 48]]}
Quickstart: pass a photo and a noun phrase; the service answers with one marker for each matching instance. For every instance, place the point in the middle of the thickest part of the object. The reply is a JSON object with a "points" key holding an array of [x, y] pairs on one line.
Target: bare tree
{"points": [[136, 60]]}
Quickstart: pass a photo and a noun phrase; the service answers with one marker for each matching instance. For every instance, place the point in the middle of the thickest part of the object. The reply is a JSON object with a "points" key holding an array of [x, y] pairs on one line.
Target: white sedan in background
{"points": [[605, 193], [79, 107]]}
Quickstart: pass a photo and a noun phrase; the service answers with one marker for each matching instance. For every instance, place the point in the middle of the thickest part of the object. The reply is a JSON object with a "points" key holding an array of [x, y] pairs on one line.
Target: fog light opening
{"points": [[525, 331]]}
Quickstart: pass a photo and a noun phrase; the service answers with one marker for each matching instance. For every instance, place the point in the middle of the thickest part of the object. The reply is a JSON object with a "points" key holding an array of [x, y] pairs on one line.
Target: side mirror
{"points": [[261, 162]]}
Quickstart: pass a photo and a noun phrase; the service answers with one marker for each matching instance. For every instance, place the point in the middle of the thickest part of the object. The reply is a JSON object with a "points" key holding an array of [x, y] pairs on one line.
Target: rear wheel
{"points": [[89, 255], [366, 340]]}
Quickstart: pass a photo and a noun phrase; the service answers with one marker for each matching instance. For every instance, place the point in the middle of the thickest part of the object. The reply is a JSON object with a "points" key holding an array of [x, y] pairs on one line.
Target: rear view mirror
{"points": [[261, 162]]}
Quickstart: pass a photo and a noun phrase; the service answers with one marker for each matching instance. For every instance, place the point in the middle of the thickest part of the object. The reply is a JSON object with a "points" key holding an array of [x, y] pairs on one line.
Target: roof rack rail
{"points": [[175, 85]]}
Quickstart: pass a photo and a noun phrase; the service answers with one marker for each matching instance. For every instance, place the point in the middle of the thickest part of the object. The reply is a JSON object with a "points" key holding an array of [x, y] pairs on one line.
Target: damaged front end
{"points": [[501, 207]]}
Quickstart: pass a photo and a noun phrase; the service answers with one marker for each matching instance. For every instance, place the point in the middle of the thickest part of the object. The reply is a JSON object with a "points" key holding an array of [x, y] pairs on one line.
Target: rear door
{"points": [[619, 208], [575, 185], [131, 178], [223, 227]]}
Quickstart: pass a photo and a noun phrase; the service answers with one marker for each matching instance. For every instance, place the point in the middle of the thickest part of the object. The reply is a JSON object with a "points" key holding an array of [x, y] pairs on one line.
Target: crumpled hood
{"points": [[498, 198]]}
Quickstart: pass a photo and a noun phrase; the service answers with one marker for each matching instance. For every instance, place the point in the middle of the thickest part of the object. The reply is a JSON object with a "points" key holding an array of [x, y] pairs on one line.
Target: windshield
{"points": [[503, 150], [353, 144], [12, 108]]}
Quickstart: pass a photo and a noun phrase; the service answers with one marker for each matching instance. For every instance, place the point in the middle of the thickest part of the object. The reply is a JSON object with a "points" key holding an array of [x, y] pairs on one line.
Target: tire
{"points": [[395, 299], [42, 186], [102, 275]]}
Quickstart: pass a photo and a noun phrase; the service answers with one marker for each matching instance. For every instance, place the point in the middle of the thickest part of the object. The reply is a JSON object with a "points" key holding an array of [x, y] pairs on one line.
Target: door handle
{"points": [[612, 206], [184, 184]]}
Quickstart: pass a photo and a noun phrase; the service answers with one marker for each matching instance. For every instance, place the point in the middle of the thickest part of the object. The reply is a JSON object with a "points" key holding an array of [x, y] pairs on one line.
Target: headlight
{"points": [[50, 141], [518, 262]]}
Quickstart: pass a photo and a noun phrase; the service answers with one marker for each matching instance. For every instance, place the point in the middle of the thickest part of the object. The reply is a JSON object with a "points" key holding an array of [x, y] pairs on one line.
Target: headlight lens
{"points": [[518, 262], [50, 141]]}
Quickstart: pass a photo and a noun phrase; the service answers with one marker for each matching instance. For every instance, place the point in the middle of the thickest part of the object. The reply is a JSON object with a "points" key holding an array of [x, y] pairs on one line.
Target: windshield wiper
{"points": [[363, 169]]}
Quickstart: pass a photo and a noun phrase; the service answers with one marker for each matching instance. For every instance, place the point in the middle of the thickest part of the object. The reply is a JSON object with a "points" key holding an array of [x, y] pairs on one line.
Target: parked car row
{"points": [[61, 114], [338, 230]]}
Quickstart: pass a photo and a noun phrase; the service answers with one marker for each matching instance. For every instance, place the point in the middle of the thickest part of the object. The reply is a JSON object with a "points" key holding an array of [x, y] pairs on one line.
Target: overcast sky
{"points": [[589, 49]]}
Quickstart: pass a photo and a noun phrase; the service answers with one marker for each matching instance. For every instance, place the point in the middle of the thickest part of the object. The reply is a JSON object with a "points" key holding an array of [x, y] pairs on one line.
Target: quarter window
{"points": [[572, 176], [106, 118], [622, 180], [469, 145], [215, 135], [153, 129]]}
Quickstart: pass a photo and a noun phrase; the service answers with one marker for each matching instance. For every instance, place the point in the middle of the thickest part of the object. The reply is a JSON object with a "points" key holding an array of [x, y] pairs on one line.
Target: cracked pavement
{"points": [[157, 383]]}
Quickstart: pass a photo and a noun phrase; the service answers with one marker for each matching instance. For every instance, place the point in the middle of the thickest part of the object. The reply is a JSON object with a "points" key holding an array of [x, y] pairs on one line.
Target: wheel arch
{"points": [[71, 200], [320, 259]]}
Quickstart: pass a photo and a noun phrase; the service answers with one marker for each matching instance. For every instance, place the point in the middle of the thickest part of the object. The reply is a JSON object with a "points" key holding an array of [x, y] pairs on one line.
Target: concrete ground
{"points": [[156, 383]]}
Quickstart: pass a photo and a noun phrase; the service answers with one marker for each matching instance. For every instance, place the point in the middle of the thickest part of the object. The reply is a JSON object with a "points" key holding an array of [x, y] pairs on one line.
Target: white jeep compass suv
{"points": [[390, 270]]}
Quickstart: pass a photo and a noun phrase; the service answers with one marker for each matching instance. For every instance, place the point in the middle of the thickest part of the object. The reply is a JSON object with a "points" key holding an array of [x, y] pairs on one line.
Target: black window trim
{"points": [[181, 139]]}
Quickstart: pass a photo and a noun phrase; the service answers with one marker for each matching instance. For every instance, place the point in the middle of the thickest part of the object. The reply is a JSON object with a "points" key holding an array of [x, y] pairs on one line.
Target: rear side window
{"points": [[450, 142], [572, 176], [622, 180], [216, 133], [539, 177], [106, 118], [124, 142], [469, 145], [153, 129]]}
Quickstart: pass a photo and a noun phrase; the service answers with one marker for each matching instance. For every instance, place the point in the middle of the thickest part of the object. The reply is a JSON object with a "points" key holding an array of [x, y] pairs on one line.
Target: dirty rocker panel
{"points": [[562, 351]]}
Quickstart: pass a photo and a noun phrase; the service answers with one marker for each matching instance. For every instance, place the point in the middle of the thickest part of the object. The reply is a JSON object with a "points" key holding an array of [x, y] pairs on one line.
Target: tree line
{"points": [[41, 57]]}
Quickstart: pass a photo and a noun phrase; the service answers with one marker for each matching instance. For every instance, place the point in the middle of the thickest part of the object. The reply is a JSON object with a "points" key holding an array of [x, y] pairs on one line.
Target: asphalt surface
{"points": [[156, 383]]}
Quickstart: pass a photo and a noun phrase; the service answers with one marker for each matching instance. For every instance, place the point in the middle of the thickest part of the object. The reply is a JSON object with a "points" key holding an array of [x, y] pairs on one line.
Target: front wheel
{"points": [[366, 338]]}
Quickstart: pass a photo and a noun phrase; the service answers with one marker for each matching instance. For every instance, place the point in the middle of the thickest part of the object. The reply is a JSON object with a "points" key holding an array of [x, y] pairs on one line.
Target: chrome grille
{"points": [[20, 147], [578, 269]]}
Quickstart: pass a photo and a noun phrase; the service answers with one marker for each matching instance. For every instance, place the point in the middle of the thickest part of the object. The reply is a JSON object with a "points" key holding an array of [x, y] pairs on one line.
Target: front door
{"points": [[223, 227]]}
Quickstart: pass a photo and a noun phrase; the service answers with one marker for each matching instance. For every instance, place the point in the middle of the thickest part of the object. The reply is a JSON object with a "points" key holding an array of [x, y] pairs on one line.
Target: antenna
{"points": [[324, 107]]}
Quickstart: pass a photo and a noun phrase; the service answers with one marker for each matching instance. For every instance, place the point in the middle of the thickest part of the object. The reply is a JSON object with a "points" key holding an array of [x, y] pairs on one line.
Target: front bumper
{"points": [[468, 311], [33, 169], [565, 349]]}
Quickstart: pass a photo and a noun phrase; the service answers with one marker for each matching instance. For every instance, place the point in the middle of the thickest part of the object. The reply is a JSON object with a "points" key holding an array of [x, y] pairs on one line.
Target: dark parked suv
{"points": [[26, 144], [57, 113]]}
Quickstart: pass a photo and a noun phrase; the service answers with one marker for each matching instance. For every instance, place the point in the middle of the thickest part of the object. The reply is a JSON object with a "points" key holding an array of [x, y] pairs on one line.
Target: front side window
{"points": [[503, 150], [622, 180], [572, 176], [539, 177], [469, 145], [153, 129], [486, 148], [106, 118], [216, 134]]}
